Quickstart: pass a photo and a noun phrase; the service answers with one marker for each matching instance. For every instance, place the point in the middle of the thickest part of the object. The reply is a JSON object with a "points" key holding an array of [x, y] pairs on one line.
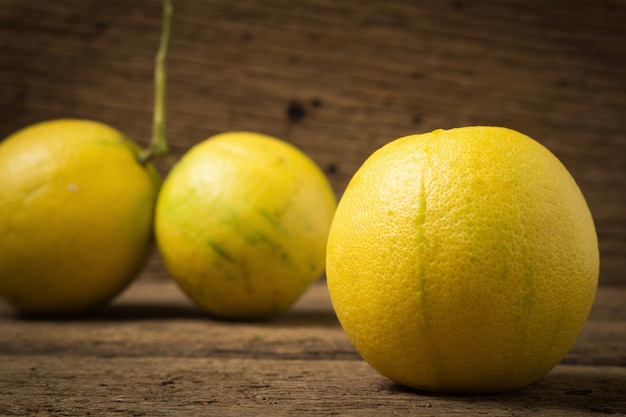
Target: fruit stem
{"points": [[158, 146]]}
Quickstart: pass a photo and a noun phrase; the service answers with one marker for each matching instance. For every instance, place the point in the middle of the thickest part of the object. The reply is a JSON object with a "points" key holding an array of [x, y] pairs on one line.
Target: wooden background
{"points": [[339, 78]]}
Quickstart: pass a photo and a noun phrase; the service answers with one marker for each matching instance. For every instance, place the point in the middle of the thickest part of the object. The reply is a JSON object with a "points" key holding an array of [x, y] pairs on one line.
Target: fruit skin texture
{"points": [[76, 212], [242, 222], [463, 260]]}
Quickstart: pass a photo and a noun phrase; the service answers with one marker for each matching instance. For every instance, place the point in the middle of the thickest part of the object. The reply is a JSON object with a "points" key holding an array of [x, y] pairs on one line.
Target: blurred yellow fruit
{"points": [[463, 260], [242, 222], [76, 212]]}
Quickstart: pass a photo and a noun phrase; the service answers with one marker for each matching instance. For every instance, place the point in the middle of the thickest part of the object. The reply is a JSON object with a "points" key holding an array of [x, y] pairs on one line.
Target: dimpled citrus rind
{"points": [[75, 215], [242, 223], [463, 260]]}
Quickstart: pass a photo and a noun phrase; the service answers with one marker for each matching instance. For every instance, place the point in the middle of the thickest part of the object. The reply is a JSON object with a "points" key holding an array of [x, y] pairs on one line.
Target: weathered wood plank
{"points": [[77, 386], [339, 79], [152, 318], [152, 352]]}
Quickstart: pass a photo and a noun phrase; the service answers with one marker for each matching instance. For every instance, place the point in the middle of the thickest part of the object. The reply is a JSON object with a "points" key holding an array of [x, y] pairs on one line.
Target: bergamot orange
{"points": [[242, 222], [463, 260], [76, 214]]}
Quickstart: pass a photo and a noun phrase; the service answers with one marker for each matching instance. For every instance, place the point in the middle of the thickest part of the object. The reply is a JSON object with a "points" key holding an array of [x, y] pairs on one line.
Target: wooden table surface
{"points": [[337, 79], [151, 352]]}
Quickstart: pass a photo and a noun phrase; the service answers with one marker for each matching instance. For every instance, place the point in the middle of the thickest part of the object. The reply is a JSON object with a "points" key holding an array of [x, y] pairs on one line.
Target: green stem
{"points": [[158, 145]]}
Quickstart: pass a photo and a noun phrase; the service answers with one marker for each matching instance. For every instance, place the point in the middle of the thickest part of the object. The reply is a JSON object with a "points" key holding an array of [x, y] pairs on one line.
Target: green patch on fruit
{"points": [[221, 251], [272, 220]]}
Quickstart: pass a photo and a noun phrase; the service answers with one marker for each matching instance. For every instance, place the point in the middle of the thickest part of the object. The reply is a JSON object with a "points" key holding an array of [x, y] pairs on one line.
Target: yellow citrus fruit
{"points": [[242, 222], [76, 212], [463, 260]]}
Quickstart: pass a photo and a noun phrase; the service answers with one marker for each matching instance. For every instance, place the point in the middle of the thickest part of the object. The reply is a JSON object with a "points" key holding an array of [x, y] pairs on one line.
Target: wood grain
{"points": [[339, 79], [148, 386], [152, 352]]}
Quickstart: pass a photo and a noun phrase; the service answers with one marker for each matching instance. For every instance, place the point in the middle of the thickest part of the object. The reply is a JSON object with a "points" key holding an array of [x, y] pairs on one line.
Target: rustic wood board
{"points": [[152, 352], [79, 386], [339, 79]]}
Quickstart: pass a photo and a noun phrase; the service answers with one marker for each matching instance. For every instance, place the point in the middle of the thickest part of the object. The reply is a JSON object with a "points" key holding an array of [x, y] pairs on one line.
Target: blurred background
{"points": [[339, 79]]}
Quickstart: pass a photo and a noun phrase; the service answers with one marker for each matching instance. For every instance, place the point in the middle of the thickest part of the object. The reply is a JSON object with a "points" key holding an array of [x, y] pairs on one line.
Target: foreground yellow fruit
{"points": [[242, 222], [463, 260], [75, 215]]}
